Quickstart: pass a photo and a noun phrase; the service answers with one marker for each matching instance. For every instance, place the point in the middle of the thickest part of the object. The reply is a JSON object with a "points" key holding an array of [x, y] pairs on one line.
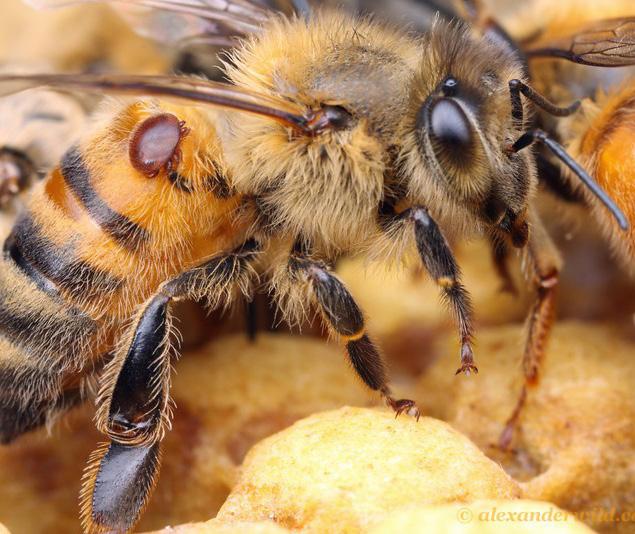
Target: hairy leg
{"points": [[440, 263], [134, 409], [344, 318], [544, 263]]}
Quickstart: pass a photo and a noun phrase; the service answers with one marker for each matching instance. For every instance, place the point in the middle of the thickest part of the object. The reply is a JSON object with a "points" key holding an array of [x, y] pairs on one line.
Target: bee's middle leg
{"points": [[134, 408], [344, 317], [545, 263]]}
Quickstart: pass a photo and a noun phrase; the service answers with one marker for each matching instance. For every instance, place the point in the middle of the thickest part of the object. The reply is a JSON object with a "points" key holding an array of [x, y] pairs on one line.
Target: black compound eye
{"points": [[449, 125]]}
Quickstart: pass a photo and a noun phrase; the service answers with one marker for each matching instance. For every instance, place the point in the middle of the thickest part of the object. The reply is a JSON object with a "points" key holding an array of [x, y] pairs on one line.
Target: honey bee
{"points": [[336, 135], [601, 137]]}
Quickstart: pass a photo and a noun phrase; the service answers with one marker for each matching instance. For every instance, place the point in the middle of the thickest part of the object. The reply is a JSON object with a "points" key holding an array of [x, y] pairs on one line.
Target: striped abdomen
{"points": [[47, 349], [96, 240], [106, 235]]}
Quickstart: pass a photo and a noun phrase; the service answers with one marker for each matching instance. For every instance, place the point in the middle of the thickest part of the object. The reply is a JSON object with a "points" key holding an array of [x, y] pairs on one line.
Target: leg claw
{"points": [[404, 406], [467, 368]]}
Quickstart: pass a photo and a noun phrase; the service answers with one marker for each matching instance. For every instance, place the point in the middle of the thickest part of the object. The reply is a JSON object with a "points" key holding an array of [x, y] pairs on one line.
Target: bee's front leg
{"points": [[439, 262], [500, 258], [545, 264], [134, 408], [344, 318]]}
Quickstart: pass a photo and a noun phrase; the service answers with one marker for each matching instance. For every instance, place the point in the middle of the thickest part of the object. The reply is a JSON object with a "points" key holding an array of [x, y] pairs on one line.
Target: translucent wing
{"points": [[194, 91], [175, 20], [605, 43]]}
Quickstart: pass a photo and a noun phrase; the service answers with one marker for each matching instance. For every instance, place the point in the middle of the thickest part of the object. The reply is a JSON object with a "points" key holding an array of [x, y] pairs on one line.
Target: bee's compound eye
{"points": [[16, 171], [449, 125], [154, 143]]}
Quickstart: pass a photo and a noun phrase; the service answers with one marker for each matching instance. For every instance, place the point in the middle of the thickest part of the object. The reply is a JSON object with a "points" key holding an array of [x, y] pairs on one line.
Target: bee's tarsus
{"points": [[400, 406], [117, 483], [467, 359]]}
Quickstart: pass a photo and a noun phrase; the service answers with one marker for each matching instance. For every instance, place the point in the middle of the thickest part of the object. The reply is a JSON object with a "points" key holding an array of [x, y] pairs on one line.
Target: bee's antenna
{"points": [[538, 136], [516, 88]]}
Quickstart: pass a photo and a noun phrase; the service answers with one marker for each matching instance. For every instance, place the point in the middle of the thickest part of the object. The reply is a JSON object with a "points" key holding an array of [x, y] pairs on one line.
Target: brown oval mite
{"points": [[154, 144]]}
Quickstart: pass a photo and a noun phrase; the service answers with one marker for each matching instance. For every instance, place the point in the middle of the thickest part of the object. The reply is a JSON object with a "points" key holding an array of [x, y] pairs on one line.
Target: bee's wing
{"points": [[195, 91], [176, 20], [605, 43]]}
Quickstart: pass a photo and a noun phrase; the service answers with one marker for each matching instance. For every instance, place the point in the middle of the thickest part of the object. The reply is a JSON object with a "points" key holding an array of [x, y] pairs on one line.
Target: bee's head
{"points": [[460, 127], [17, 172]]}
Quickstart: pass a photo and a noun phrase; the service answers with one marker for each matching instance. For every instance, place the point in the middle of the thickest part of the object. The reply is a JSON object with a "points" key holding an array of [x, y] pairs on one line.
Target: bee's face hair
{"points": [[459, 125]]}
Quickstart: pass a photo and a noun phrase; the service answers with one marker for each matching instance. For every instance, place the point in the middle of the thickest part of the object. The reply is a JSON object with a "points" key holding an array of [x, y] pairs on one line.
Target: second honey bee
{"points": [[601, 137], [36, 130], [336, 135]]}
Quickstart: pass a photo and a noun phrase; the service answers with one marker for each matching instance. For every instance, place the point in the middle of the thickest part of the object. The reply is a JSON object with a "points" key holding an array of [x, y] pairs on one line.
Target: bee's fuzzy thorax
{"points": [[326, 188]]}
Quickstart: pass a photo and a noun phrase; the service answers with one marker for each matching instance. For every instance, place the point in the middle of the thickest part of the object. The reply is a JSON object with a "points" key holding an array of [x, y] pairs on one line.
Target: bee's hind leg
{"points": [[344, 318], [545, 263], [134, 409]]}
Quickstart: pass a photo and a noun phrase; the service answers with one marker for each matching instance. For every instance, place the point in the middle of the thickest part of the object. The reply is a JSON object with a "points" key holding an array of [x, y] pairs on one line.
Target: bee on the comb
{"points": [[334, 135]]}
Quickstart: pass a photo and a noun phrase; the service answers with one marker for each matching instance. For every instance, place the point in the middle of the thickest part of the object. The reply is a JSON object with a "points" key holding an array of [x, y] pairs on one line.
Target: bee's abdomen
{"points": [[34, 317], [53, 267], [20, 409], [120, 228], [46, 349], [71, 241]]}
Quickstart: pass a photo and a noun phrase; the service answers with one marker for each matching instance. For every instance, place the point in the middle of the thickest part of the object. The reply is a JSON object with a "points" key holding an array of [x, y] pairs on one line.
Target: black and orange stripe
{"points": [[42, 339], [50, 266], [90, 231], [94, 242], [77, 176], [45, 337]]}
